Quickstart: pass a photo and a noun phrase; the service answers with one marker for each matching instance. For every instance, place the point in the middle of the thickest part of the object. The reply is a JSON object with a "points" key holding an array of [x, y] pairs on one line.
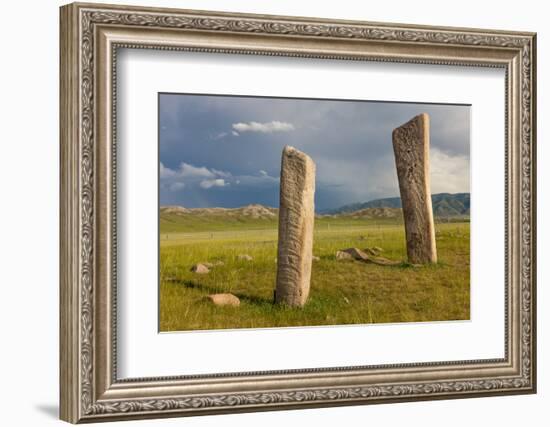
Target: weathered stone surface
{"points": [[244, 257], [341, 255], [370, 251], [382, 261], [296, 219], [359, 255], [200, 269], [411, 146], [356, 254], [224, 299]]}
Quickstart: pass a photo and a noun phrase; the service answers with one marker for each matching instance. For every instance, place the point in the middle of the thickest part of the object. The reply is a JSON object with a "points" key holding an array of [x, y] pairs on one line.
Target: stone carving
{"points": [[411, 146], [296, 218]]}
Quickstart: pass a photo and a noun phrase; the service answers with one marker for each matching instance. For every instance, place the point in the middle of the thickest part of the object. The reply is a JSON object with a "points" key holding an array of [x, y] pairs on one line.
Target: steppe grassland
{"points": [[342, 292]]}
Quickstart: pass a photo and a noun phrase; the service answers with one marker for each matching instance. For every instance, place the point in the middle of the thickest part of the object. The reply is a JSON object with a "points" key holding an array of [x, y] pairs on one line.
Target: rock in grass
{"points": [[374, 251], [370, 251], [341, 255], [224, 299], [357, 254], [382, 261], [315, 258], [244, 257], [200, 269]]}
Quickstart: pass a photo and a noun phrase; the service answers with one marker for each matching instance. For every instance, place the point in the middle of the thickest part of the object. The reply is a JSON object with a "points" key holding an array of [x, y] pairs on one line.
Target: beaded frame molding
{"points": [[90, 37]]}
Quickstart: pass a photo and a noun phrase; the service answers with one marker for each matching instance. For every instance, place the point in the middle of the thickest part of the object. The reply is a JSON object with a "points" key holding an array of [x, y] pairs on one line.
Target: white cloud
{"points": [[209, 183], [449, 174], [177, 186], [262, 172], [166, 172], [190, 176], [268, 127], [221, 173], [234, 133], [187, 170]]}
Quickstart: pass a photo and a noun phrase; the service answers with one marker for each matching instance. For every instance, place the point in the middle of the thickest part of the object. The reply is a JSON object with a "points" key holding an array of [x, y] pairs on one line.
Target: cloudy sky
{"points": [[225, 151]]}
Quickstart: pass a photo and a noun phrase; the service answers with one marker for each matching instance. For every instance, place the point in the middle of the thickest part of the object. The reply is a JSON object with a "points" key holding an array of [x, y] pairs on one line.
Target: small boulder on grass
{"points": [[224, 299], [315, 258], [200, 269], [244, 257], [341, 255]]}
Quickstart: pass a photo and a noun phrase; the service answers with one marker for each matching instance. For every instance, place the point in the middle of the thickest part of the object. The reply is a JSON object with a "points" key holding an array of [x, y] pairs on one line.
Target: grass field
{"points": [[342, 292]]}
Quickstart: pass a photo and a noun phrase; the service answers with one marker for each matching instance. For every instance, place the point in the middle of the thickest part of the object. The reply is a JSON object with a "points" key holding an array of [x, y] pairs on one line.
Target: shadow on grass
{"points": [[430, 266]]}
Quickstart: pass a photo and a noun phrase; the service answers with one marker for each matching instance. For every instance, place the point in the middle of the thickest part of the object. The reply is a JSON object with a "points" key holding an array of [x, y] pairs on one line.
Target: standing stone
{"points": [[296, 218], [411, 146]]}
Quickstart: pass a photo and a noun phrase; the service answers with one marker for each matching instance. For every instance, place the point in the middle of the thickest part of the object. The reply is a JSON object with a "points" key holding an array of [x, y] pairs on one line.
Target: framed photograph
{"points": [[266, 212]]}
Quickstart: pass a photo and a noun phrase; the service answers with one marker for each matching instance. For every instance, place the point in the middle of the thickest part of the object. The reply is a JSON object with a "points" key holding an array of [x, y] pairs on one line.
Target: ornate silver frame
{"points": [[90, 36]]}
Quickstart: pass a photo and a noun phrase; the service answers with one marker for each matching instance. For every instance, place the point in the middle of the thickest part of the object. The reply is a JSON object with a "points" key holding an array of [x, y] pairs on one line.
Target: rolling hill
{"points": [[443, 204], [181, 219]]}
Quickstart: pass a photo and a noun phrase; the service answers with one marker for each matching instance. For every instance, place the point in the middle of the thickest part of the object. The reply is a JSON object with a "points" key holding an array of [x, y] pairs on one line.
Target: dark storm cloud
{"points": [[225, 151]]}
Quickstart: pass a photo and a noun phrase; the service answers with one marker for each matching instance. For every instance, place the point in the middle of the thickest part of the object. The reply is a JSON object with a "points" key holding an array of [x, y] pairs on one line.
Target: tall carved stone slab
{"points": [[411, 146], [296, 219]]}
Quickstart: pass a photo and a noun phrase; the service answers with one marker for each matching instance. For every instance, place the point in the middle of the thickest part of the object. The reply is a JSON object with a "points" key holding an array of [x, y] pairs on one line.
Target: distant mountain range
{"points": [[443, 205], [181, 219]]}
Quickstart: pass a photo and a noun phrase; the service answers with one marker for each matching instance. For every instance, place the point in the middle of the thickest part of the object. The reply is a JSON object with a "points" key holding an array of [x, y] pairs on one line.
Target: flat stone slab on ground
{"points": [[359, 255], [341, 255]]}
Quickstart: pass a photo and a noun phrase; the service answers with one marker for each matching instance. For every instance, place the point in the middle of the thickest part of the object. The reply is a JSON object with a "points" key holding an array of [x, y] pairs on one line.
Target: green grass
{"points": [[342, 292]]}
